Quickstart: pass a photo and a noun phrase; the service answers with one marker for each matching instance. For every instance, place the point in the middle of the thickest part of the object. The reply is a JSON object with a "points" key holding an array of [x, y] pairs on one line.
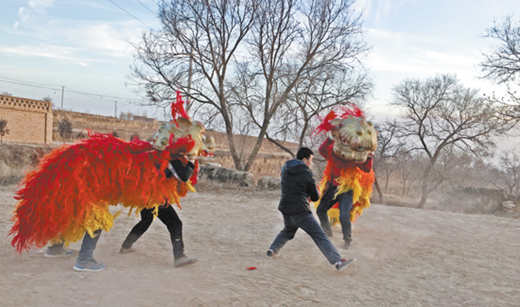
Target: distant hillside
{"points": [[268, 163], [125, 128]]}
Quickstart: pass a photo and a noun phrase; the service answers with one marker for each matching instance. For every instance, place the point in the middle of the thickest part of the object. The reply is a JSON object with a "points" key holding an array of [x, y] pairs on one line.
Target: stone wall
{"points": [[264, 164], [29, 121]]}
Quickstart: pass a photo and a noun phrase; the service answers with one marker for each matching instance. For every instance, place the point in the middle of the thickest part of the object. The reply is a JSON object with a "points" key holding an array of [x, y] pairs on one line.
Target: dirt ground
{"points": [[405, 257]]}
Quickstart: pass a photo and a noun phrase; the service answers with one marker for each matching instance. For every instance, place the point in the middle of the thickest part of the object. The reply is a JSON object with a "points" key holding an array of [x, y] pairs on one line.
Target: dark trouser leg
{"points": [[285, 235], [88, 246], [345, 206], [169, 217], [308, 223], [327, 201], [139, 228]]}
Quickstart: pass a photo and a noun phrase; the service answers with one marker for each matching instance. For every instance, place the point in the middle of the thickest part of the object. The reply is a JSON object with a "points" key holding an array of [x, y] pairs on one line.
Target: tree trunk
{"points": [[386, 183], [424, 194], [379, 192], [232, 150], [258, 144], [231, 143]]}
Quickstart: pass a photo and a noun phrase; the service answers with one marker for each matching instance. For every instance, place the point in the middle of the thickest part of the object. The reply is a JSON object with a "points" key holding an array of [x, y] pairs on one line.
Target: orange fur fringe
{"points": [[354, 179]]}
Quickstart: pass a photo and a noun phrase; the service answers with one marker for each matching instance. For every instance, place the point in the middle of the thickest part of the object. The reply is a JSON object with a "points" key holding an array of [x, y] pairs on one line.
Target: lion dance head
{"points": [[183, 135], [355, 138]]}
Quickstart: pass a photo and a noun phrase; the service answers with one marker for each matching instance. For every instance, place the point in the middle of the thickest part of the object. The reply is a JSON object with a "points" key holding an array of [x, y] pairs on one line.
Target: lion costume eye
{"points": [[360, 148]]}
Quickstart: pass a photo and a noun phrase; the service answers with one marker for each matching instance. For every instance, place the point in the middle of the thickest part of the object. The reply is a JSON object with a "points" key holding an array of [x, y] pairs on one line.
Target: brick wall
{"points": [[29, 121]]}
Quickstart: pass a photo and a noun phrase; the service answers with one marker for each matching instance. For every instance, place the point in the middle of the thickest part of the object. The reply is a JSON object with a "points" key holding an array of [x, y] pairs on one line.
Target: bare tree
{"points": [[440, 114], [385, 160], [3, 129], [408, 166], [126, 115], [206, 34], [247, 56], [459, 168], [65, 129], [510, 167], [294, 42], [502, 63]]}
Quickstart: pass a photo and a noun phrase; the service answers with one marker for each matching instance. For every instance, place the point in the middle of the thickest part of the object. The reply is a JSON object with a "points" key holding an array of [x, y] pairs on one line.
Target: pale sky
{"points": [[83, 45]]}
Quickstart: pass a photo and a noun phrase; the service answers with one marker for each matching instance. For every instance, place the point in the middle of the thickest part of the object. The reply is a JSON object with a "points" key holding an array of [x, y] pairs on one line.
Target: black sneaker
{"points": [[127, 250], [50, 253], [271, 254], [344, 263], [346, 245]]}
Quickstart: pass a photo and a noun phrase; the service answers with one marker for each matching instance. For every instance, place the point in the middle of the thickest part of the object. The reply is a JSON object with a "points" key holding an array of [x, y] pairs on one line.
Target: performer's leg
{"points": [[327, 201], [85, 261], [57, 250], [345, 206], [285, 235], [169, 217], [138, 230], [308, 223]]}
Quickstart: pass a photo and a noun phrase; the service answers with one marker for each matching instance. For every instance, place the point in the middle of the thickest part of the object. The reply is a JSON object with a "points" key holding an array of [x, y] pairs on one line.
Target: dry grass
{"points": [[15, 160]]}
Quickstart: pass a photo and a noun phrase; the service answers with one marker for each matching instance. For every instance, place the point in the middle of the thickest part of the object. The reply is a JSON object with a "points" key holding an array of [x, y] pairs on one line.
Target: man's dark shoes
{"points": [[271, 254], [346, 245], [344, 263], [51, 253], [184, 261], [127, 250]]}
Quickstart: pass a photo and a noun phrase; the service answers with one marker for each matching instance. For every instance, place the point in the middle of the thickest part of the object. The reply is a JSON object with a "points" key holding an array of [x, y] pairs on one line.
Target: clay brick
{"points": [[29, 121]]}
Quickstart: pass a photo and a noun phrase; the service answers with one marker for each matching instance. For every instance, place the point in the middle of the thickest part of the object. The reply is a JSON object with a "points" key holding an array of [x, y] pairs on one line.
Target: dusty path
{"points": [[406, 257]]}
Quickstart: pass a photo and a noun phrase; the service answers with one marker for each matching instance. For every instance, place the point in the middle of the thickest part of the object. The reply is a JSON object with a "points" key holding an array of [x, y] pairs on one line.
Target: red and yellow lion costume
{"points": [[353, 142], [72, 187]]}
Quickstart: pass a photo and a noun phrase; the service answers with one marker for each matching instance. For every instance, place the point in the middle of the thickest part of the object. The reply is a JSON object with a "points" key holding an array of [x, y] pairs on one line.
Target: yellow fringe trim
{"points": [[351, 179]]}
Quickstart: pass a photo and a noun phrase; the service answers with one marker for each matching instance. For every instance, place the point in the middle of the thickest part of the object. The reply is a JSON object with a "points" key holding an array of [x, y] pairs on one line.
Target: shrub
{"points": [[65, 129], [3, 129]]}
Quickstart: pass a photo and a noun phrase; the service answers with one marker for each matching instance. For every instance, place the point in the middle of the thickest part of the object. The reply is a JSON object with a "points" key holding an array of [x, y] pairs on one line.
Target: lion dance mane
{"points": [[70, 190], [348, 123]]}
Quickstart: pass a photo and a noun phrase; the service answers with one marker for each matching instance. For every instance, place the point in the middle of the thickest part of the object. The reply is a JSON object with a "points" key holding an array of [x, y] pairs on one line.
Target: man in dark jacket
{"points": [[298, 185]]}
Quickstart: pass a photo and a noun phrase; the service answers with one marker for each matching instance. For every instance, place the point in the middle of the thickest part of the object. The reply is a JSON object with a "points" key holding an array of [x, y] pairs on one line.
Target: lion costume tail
{"points": [[72, 187]]}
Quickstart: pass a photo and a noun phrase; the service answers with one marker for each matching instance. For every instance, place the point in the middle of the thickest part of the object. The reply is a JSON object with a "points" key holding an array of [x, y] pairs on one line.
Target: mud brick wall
{"points": [[104, 124], [29, 121], [34, 122]]}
